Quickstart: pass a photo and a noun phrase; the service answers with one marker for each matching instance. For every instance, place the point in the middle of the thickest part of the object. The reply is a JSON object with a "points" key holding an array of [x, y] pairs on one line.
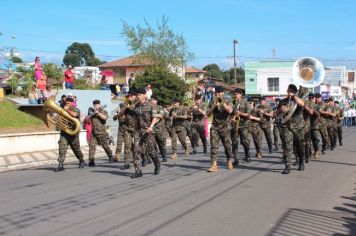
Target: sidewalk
{"points": [[36, 159]]}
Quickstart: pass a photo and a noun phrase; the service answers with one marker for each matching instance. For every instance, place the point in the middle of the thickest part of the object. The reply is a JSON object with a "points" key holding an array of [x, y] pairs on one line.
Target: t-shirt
{"points": [[69, 76]]}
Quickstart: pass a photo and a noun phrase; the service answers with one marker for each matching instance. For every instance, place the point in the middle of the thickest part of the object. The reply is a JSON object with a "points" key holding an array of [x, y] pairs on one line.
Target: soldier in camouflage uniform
{"points": [[71, 140], [242, 109], [275, 127], [308, 112], [267, 114], [331, 123], [198, 113], [120, 133], [178, 115], [144, 137], [220, 128], [99, 134], [339, 119], [128, 127], [322, 123], [159, 127], [188, 123], [314, 125], [292, 129], [255, 128]]}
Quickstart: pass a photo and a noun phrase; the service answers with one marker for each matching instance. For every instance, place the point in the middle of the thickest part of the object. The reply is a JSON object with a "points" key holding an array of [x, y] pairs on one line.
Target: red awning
{"points": [[107, 73]]}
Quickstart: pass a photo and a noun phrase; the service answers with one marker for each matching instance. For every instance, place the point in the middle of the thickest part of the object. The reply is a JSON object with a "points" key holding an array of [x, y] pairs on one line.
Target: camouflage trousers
{"points": [[268, 134], [120, 139], [180, 133], [331, 135], [215, 136], [198, 132], [144, 145], [161, 142], [315, 137], [189, 133], [73, 142], [275, 134], [307, 143], [101, 140], [256, 134], [129, 137], [244, 134], [324, 136], [289, 137], [338, 133]]}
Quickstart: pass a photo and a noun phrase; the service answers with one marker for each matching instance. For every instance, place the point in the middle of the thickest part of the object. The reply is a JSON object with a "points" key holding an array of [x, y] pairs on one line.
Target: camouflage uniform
{"points": [[307, 131], [71, 140], [338, 127], [331, 123], [220, 129], [145, 144], [159, 133], [188, 125], [266, 124], [323, 127], [315, 132], [242, 132], [99, 136], [128, 128], [256, 131], [178, 129], [120, 132], [292, 133], [198, 128]]}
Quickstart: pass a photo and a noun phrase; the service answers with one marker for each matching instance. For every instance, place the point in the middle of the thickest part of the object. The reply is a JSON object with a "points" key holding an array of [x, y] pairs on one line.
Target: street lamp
{"points": [[234, 46]]}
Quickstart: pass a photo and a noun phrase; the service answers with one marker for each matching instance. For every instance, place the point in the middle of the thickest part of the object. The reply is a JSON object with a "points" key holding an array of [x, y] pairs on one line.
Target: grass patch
{"points": [[11, 117]]}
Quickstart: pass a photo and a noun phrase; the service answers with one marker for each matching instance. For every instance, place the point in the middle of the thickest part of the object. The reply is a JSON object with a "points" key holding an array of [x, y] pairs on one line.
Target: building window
{"points": [[273, 84], [252, 79]]}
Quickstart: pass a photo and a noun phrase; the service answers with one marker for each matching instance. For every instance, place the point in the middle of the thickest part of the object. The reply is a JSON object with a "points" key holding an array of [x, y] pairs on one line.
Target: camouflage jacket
{"points": [[244, 107], [99, 125]]}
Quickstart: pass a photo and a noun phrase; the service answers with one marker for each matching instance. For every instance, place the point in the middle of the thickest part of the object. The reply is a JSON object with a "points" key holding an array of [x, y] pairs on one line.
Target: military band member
{"points": [[178, 115], [275, 127], [144, 137], [241, 130], [323, 123], [198, 113], [71, 140], [314, 125], [255, 128], [159, 127], [331, 122], [99, 134], [188, 123], [267, 114], [127, 114], [339, 119], [220, 128], [292, 129], [120, 133], [308, 112]]}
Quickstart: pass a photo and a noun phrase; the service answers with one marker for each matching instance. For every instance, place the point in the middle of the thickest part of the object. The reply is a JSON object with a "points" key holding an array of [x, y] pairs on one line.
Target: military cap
{"points": [[238, 90], [219, 89], [318, 95], [292, 87], [141, 91], [96, 102]]}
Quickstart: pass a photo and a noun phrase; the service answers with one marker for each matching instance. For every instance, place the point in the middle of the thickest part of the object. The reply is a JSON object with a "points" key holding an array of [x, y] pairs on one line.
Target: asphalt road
{"points": [[184, 199]]}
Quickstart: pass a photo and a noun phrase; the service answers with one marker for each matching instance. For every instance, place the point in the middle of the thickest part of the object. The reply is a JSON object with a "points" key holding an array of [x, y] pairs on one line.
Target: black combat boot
{"points": [[60, 167], [194, 150], [307, 156], [157, 169], [144, 162], [296, 161], [91, 163], [340, 142], [164, 158], [111, 159], [205, 147], [137, 174], [247, 155], [275, 148], [286, 170], [301, 166], [270, 149], [81, 164], [125, 166]]}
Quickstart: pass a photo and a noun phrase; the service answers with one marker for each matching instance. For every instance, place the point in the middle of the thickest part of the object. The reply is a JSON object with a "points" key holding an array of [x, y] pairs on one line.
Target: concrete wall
{"points": [[32, 142]]}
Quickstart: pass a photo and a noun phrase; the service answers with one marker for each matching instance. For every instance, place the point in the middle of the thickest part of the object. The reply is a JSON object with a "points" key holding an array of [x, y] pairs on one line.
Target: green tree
{"points": [[158, 46], [16, 59], [71, 59], [53, 71], [94, 61], [213, 71], [165, 85], [228, 75], [83, 50]]}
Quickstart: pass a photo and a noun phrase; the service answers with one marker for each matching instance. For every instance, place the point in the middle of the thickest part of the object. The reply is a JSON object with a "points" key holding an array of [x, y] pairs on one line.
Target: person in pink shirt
{"points": [[40, 75], [69, 78]]}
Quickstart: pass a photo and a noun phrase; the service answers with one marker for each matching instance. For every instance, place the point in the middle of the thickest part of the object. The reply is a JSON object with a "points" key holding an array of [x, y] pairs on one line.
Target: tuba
{"points": [[60, 118], [307, 72]]}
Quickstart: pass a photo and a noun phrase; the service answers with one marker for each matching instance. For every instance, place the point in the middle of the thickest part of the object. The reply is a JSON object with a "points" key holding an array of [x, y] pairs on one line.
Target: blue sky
{"points": [[320, 28]]}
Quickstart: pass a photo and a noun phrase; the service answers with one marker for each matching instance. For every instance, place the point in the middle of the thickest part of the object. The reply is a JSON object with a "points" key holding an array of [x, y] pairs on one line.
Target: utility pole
{"points": [[273, 53], [234, 43]]}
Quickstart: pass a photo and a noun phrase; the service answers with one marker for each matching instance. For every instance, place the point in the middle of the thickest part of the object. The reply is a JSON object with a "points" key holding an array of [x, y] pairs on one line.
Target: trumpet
{"points": [[235, 120]]}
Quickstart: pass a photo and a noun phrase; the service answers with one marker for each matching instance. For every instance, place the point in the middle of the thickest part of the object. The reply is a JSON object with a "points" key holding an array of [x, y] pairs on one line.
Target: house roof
{"points": [[123, 62], [193, 70]]}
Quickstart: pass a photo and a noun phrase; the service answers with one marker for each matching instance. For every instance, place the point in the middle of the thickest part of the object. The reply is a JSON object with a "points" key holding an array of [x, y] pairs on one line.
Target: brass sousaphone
{"points": [[307, 72], [60, 117]]}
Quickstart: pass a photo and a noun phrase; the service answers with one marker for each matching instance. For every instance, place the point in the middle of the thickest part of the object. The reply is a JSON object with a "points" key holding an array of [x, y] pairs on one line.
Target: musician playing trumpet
{"points": [[99, 134], [220, 128], [292, 130], [71, 140]]}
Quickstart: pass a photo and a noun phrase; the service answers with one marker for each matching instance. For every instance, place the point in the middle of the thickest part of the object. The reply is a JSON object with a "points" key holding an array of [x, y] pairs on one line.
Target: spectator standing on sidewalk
{"points": [[69, 77]]}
